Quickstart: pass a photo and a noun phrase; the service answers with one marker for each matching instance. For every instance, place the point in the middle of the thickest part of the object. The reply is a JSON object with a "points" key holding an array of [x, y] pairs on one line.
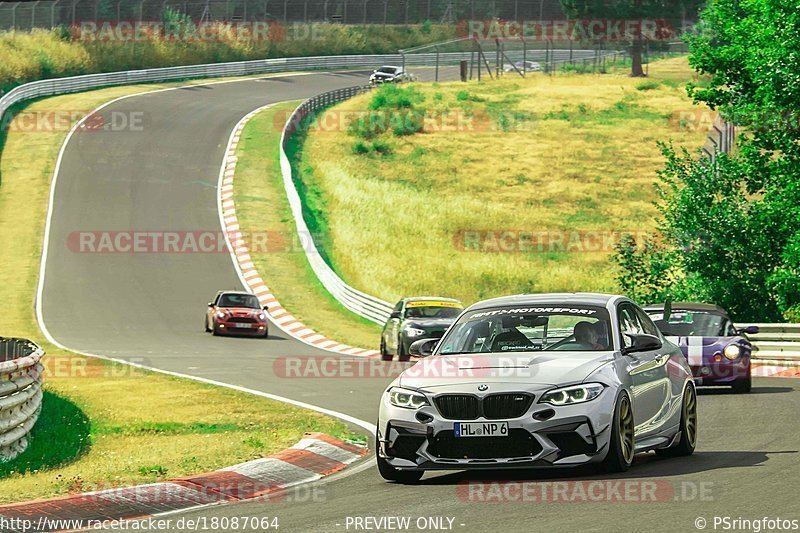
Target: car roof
{"points": [[562, 298], [689, 306], [391, 66], [431, 298]]}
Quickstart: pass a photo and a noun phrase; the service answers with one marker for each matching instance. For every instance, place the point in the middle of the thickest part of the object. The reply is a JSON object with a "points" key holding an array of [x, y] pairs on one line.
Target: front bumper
{"points": [[234, 327], [545, 436], [722, 372]]}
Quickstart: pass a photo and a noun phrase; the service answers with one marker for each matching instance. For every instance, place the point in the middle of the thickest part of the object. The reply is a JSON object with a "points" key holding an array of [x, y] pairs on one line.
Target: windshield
{"points": [[515, 329], [693, 324], [239, 300], [388, 70], [432, 312]]}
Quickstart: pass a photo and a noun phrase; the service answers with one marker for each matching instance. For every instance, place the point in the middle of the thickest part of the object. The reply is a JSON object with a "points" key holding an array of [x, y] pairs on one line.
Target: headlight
{"points": [[262, 315], [574, 394], [414, 332], [732, 351], [220, 314], [407, 399]]}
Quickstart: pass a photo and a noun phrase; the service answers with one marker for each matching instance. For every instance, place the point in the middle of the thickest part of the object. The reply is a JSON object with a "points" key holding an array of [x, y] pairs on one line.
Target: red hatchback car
{"points": [[236, 313]]}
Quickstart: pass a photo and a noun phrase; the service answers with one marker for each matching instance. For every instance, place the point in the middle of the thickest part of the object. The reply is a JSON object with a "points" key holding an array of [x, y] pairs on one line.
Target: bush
{"points": [[649, 85]]}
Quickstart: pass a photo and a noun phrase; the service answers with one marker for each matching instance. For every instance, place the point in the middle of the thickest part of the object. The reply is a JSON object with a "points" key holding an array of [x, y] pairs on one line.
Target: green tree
{"points": [[731, 228], [672, 11]]}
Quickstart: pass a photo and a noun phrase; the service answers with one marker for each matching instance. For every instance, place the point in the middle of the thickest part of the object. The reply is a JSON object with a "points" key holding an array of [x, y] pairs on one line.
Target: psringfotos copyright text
{"points": [[755, 525]]}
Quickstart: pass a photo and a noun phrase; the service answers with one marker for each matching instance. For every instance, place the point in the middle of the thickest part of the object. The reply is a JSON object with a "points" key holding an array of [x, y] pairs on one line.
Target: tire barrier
{"points": [[20, 394]]}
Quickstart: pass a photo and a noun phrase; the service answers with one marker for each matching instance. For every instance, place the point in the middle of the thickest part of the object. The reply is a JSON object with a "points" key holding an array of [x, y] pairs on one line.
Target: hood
{"points": [[426, 323], [546, 368], [240, 311], [707, 343]]}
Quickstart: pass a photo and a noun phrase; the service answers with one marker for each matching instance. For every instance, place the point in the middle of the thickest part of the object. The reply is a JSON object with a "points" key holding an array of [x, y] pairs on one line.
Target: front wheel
{"points": [[205, 325], [688, 441], [401, 351], [385, 355], [743, 385], [621, 444]]}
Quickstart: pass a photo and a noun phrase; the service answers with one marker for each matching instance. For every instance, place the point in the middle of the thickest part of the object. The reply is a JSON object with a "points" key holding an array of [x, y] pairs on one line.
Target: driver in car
{"points": [[588, 334]]}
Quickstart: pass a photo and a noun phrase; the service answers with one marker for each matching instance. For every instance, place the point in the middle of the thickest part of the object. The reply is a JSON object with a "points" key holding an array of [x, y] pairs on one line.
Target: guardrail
{"points": [[720, 140], [776, 342], [358, 302], [20, 394]]}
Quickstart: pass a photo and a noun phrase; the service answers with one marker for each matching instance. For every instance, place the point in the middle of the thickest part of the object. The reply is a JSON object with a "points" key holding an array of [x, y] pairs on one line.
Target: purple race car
{"points": [[718, 353]]}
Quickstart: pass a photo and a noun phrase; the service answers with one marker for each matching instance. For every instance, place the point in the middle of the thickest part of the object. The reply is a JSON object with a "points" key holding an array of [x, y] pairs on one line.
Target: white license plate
{"points": [[244, 326], [481, 429]]}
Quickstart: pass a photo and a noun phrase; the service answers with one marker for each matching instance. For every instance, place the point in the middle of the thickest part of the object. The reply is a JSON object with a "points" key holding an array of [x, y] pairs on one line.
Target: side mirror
{"points": [[375, 71], [422, 347], [749, 330], [395, 314], [641, 343], [265, 308], [211, 304]]}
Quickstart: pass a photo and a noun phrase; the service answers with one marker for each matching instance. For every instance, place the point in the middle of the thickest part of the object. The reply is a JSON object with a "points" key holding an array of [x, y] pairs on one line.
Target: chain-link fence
{"points": [[470, 59], [50, 13]]}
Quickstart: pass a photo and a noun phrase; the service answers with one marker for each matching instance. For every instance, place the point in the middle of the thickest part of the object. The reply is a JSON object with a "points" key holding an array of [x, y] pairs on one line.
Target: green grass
{"points": [[261, 205], [561, 154], [102, 423]]}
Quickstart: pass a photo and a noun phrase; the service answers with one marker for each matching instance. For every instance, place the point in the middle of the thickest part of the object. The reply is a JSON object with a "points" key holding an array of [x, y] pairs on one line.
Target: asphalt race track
{"points": [[148, 308]]}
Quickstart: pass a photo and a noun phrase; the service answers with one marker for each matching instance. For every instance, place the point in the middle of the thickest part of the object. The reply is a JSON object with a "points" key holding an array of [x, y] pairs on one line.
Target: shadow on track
{"points": [[645, 466]]}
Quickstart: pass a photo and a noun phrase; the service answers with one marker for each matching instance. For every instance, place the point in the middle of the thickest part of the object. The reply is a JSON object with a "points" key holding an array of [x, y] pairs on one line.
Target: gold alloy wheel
{"points": [[626, 429], [690, 415]]}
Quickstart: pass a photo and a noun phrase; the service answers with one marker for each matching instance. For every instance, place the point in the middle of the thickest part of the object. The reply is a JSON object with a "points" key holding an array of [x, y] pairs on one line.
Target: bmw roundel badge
{"points": [[483, 387]]}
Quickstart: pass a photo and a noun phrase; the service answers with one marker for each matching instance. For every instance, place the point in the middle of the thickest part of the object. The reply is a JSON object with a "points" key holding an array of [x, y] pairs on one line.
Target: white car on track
{"points": [[552, 380]]}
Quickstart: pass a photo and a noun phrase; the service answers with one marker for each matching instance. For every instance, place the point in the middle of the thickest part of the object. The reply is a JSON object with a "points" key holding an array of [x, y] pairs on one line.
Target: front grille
{"points": [[243, 320], [518, 443], [458, 406], [492, 407], [499, 406]]}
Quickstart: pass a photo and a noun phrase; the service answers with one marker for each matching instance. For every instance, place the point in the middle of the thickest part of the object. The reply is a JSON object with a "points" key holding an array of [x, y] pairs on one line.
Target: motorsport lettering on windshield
{"points": [[537, 310]]}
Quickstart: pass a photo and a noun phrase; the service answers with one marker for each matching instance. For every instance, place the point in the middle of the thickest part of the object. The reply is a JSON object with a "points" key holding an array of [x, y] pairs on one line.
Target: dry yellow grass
{"points": [[106, 424], [581, 157]]}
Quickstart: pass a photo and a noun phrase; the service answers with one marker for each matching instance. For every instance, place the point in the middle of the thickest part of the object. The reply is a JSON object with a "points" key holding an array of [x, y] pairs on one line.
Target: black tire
{"points": [[688, 441], [385, 355], [401, 351], [621, 445], [266, 333], [205, 325], [390, 473], [743, 385], [214, 330]]}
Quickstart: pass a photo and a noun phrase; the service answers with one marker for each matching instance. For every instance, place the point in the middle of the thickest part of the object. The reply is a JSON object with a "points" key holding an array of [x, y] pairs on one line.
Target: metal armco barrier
{"points": [[358, 302], [20, 394], [780, 342], [720, 140]]}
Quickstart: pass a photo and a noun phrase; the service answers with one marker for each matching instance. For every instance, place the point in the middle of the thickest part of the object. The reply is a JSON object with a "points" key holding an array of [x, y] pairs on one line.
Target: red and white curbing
{"points": [[315, 456], [247, 271], [775, 369]]}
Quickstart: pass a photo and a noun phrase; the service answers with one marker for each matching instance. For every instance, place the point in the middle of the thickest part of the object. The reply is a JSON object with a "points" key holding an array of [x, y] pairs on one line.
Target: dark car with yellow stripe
{"points": [[412, 319]]}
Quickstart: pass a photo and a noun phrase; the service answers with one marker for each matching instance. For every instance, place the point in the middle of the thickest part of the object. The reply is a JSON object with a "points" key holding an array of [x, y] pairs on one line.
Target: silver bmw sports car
{"points": [[550, 380]]}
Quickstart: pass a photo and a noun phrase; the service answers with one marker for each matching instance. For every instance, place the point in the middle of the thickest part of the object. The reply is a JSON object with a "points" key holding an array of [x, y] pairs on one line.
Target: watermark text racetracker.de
{"points": [[585, 491], [63, 120], [187, 242], [545, 241]]}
